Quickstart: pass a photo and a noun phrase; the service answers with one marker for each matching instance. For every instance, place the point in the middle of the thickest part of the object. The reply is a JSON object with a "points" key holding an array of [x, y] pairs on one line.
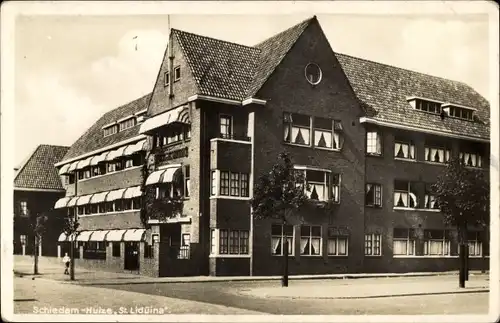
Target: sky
{"points": [[69, 70]]}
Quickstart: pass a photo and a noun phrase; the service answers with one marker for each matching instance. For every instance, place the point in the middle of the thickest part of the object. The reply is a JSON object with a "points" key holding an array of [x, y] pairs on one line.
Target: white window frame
{"points": [[291, 245], [216, 184], [290, 126], [373, 143], [166, 79], [410, 150], [177, 77], [336, 239], [374, 187], [476, 162], [428, 151], [215, 239], [330, 186], [23, 208], [473, 245], [228, 127], [446, 246], [310, 238], [335, 136], [372, 238], [410, 196], [410, 241]]}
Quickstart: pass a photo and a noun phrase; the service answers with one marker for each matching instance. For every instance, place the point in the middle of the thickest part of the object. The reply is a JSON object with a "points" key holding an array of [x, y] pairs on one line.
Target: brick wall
{"points": [[111, 181]]}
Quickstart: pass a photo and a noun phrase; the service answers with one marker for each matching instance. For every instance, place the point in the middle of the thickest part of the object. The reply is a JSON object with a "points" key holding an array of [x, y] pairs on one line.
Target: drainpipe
{"points": [[251, 132], [170, 67]]}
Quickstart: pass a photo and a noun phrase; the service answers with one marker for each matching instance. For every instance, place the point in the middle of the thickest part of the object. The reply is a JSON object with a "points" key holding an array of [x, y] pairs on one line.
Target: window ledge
{"points": [[373, 256], [374, 155], [311, 256], [108, 213], [401, 208], [328, 149], [374, 206], [424, 256], [231, 140], [224, 197], [339, 256], [184, 219], [433, 163], [292, 255], [93, 177], [296, 145], [410, 160], [229, 256]]}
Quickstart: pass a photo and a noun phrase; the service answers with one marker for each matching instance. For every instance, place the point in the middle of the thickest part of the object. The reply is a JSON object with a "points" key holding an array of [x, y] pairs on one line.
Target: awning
{"points": [[116, 153], [163, 119], [98, 198], [84, 235], [115, 235], [134, 148], [83, 163], [99, 158], [99, 235], [115, 195], [63, 237], [62, 202], [162, 176], [64, 169], [132, 192], [72, 201], [72, 167], [134, 235], [84, 199]]}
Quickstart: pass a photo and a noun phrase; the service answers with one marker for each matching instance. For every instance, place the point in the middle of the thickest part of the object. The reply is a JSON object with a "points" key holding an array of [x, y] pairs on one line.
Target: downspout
{"points": [[170, 67], [251, 132]]}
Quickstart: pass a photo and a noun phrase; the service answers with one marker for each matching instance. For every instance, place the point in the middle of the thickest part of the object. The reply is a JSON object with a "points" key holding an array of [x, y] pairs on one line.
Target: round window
{"points": [[313, 73]]}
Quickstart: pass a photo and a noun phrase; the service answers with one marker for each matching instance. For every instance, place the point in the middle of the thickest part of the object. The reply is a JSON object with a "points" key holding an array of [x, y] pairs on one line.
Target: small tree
{"points": [[71, 225], [279, 194], [38, 226], [462, 194]]}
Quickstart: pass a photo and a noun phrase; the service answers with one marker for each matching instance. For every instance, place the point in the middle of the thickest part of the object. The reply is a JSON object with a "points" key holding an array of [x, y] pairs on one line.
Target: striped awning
{"points": [[132, 192], [162, 176], [72, 166], [84, 199], [116, 153], [84, 236], [73, 200], [62, 202], [98, 198], [64, 169], [99, 235], [63, 237], [99, 158], [115, 195], [134, 235], [83, 163], [134, 148], [115, 235], [178, 114]]}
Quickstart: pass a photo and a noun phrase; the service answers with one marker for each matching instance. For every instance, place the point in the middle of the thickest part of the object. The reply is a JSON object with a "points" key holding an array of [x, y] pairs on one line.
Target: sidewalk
{"points": [[46, 297], [83, 276]]}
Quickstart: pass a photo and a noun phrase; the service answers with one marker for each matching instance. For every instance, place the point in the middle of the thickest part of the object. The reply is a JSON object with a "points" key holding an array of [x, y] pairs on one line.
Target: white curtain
{"points": [[461, 156], [327, 136], [286, 132], [436, 247], [447, 155], [397, 147], [337, 140], [320, 191], [433, 201], [404, 198], [397, 196], [473, 158], [335, 193], [467, 156], [413, 198], [441, 155], [433, 154], [303, 245], [405, 150], [479, 161], [412, 152], [400, 247], [342, 246], [316, 245], [306, 134], [427, 156], [275, 243], [332, 246], [290, 244], [426, 201], [379, 144], [295, 132]]}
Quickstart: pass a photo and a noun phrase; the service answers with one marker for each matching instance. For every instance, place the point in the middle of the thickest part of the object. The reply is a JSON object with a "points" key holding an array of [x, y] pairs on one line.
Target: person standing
{"points": [[66, 261]]}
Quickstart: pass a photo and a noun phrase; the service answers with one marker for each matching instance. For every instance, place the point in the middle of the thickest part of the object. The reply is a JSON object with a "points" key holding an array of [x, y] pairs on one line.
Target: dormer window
{"points": [[125, 124], [110, 130], [424, 105], [458, 112]]}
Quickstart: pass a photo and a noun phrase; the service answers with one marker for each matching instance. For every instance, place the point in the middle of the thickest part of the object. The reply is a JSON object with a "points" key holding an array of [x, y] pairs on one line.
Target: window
{"points": [[81, 210], [80, 174], [327, 133], [129, 123], [23, 208], [436, 243], [109, 206], [437, 154], [405, 194], [405, 150], [403, 242], [22, 239], [136, 203], [213, 188], [87, 173], [244, 185], [71, 178], [322, 185], [94, 209], [337, 243], [126, 204], [373, 143], [187, 132], [184, 249], [297, 129], [177, 73], [373, 195], [429, 198], [373, 244], [313, 73], [187, 181], [213, 241], [111, 130], [471, 159], [118, 205], [224, 183], [87, 209], [234, 242], [225, 123], [71, 212], [461, 113], [427, 106], [167, 79], [244, 241], [101, 207], [475, 244], [235, 184], [116, 246], [278, 234], [310, 240], [118, 165], [129, 162], [223, 242], [111, 167], [149, 250], [96, 171]]}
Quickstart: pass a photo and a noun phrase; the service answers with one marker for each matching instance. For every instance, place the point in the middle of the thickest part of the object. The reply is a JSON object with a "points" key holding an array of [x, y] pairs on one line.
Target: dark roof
{"points": [[94, 139], [38, 171], [383, 91]]}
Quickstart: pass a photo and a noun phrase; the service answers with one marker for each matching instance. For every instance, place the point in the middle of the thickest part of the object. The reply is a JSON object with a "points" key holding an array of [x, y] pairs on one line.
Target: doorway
{"points": [[131, 255]]}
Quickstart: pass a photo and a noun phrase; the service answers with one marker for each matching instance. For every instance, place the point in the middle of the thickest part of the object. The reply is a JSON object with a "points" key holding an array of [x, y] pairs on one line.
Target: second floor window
{"points": [[437, 154], [225, 123], [405, 194], [187, 181], [229, 184], [373, 195], [297, 129], [327, 133], [471, 159], [430, 198], [322, 185], [373, 143], [23, 208], [404, 150]]}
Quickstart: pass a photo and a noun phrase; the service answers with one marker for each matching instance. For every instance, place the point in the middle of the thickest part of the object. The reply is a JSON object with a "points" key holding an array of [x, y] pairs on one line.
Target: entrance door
{"points": [[131, 255]]}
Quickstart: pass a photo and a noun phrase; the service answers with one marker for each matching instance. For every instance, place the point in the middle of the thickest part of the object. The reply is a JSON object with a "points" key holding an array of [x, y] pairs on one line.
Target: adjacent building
{"points": [[37, 186], [369, 137]]}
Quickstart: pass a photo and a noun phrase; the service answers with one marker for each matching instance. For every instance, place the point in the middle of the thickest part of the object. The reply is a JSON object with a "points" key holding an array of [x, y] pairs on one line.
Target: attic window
{"points": [[428, 106], [129, 123], [111, 130], [167, 79], [313, 73], [458, 112], [177, 73]]}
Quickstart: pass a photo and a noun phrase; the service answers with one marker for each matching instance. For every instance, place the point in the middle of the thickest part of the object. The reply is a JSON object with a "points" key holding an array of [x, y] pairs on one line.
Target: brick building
{"points": [[37, 186], [368, 136]]}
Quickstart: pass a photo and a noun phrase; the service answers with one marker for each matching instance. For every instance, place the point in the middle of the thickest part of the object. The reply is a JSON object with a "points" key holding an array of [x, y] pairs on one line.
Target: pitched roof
{"points": [[38, 172], [94, 139], [383, 91]]}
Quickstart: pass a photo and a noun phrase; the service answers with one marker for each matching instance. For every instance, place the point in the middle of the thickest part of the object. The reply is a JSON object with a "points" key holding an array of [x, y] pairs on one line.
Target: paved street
{"points": [[395, 295]]}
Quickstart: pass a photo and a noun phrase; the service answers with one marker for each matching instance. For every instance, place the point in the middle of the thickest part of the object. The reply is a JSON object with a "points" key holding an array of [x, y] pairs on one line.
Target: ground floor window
{"points": [[149, 250], [184, 247], [94, 250], [337, 242], [403, 242], [474, 243], [436, 243], [310, 240], [116, 249], [234, 242], [373, 242], [279, 233]]}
